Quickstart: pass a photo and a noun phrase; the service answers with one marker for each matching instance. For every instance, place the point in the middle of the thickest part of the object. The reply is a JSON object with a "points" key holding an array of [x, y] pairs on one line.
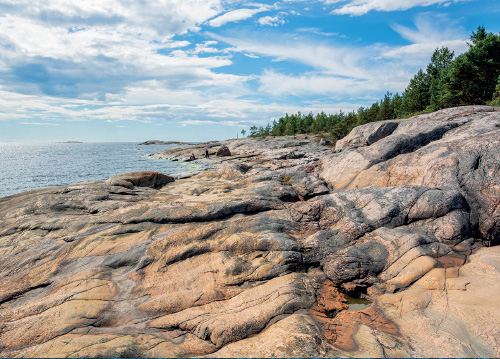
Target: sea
{"points": [[29, 166]]}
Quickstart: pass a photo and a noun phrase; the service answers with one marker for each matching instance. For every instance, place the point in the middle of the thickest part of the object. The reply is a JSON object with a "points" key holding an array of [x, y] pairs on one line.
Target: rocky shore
{"points": [[251, 254]]}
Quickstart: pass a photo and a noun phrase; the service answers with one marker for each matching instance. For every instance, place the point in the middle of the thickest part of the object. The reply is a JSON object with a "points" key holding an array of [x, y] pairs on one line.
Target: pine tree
{"points": [[417, 97], [441, 59], [386, 111], [471, 78], [396, 105], [290, 128], [495, 101]]}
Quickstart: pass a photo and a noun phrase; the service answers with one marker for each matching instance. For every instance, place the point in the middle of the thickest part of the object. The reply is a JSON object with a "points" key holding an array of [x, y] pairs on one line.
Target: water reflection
{"points": [[357, 303]]}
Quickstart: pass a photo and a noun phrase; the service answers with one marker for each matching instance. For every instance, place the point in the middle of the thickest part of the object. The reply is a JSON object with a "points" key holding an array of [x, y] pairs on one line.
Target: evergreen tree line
{"points": [[472, 78]]}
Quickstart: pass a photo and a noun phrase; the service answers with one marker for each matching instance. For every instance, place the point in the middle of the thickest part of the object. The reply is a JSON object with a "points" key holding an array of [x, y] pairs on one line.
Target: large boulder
{"points": [[223, 151], [140, 179]]}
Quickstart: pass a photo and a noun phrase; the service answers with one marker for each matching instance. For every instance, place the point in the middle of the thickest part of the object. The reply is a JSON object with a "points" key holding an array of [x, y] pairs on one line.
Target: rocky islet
{"points": [[250, 254]]}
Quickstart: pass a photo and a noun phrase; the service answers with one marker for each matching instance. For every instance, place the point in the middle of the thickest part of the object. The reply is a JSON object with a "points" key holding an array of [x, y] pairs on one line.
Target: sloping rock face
{"points": [[251, 258], [453, 148]]}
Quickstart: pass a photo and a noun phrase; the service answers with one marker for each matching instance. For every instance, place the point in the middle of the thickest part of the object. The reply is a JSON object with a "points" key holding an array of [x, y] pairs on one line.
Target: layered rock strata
{"points": [[252, 257]]}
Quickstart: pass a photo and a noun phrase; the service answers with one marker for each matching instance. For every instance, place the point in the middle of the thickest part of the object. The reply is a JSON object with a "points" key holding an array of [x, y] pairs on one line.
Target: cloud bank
{"points": [[196, 63]]}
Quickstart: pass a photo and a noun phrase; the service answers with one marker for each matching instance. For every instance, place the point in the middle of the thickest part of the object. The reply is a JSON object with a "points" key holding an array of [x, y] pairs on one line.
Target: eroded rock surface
{"points": [[251, 257]]}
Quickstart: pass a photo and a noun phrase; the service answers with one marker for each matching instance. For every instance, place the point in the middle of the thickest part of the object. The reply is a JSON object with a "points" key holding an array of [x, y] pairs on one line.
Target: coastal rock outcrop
{"points": [[455, 148], [253, 255]]}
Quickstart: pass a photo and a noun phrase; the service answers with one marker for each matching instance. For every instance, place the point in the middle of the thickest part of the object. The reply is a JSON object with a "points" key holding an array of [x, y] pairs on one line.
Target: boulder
{"points": [[140, 179], [223, 151]]}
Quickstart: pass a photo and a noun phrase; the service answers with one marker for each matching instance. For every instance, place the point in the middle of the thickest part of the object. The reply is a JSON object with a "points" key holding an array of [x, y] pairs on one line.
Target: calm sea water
{"points": [[28, 166]]}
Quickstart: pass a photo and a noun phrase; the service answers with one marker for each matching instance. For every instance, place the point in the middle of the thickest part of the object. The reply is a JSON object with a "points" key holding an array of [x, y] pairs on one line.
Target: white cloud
{"points": [[335, 71], [430, 27], [417, 53], [116, 60], [237, 15], [431, 31], [348, 70], [271, 21], [150, 18], [338, 60], [279, 84], [324, 84], [206, 47], [209, 122], [97, 61], [361, 7]]}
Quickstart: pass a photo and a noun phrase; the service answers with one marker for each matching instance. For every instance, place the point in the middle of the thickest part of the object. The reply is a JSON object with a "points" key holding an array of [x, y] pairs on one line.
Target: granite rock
{"points": [[250, 255]]}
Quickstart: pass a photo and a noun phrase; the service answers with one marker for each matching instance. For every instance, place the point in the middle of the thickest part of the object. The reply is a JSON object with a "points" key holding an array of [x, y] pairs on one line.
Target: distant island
{"points": [[70, 142], [156, 142]]}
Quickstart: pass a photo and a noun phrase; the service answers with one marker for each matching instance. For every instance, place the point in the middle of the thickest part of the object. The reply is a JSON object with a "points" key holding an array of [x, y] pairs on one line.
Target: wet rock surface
{"points": [[251, 256]]}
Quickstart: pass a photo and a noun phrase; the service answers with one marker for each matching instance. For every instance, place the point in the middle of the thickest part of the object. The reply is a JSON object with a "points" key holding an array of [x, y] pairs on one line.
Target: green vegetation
{"points": [[472, 78]]}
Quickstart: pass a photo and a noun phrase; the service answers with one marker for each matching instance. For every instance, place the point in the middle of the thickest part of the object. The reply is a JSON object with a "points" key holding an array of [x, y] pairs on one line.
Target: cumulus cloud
{"points": [[150, 18], [271, 21], [43, 54], [361, 7], [206, 47]]}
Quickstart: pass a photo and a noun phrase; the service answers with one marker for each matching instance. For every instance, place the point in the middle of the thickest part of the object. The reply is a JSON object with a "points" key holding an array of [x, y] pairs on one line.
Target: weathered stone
{"points": [[223, 151], [140, 179], [451, 313], [248, 255], [455, 148]]}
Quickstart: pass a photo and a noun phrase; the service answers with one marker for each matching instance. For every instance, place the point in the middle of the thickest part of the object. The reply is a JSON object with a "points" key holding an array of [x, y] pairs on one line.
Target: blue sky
{"points": [[196, 70]]}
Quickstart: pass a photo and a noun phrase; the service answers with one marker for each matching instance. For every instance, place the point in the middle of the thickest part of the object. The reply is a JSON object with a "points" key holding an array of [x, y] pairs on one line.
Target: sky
{"points": [[198, 70]]}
